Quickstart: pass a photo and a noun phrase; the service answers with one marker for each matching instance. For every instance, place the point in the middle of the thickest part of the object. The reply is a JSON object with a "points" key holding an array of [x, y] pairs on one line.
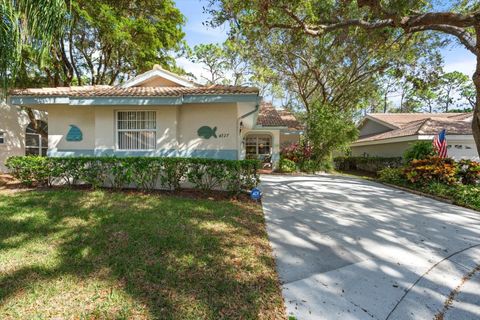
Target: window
{"points": [[136, 130], [258, 146], [2, 137], [36, 140]]}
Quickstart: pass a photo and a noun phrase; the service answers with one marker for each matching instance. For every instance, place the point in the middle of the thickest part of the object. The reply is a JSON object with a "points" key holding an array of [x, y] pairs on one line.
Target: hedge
{"points": [[370, 164], [145, 173]]}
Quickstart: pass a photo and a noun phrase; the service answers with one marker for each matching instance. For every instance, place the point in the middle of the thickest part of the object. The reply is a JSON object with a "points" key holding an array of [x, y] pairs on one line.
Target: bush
{"points": [[287, 165], [370, 164], [296, 152], [419, 150], [392, 175], [144, 173], [469, 171], [432, 169]]}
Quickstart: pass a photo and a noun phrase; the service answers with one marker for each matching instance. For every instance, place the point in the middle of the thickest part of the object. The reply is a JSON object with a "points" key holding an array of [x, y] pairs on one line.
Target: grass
{"points": [[76, 254]]}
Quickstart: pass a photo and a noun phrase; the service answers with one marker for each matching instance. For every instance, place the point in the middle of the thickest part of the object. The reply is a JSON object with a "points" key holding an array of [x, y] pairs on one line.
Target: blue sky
{"points": [[455, 57]]}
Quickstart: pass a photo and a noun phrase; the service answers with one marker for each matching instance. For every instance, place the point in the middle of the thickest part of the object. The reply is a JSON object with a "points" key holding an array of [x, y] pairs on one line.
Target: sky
{"points": [[456, 58]]}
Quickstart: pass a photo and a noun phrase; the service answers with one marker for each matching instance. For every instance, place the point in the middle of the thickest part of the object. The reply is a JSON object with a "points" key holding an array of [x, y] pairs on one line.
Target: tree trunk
{"points": [[476, 81]]}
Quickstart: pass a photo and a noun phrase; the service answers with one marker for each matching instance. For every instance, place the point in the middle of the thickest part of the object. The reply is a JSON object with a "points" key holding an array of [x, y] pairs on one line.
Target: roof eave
{"points": [[132, 100], [414, 137]]}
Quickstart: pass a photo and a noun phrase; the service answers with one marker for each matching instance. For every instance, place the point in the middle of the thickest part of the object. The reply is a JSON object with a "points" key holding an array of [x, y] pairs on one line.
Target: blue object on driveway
{"points": [[255, 194]]}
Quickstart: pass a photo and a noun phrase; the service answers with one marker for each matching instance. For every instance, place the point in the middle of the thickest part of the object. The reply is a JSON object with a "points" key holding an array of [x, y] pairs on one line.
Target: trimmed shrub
{"points": [[287, 165], [370, 164], [432, 169], [419, 150], [144, 173]]}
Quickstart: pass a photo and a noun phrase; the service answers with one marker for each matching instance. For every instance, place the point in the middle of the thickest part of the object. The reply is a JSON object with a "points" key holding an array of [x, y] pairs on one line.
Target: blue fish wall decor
{"points": [[74, 134]]}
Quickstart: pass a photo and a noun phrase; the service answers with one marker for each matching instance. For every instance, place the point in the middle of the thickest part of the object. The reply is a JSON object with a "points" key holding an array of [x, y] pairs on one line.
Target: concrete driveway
{"points": [[347, 248]]}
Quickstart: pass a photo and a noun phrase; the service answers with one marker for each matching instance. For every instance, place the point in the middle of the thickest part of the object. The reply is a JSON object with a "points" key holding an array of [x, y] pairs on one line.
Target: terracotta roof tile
{"points": [[269, 117], [110, 91], [290, 120]]}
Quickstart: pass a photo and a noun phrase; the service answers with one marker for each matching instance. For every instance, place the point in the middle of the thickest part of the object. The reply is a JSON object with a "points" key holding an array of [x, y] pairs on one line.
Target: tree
{"points": [[213, 58], [450, 87], [27, 23], [223, 63], [329, 129], [318, 18], [106, 42]]}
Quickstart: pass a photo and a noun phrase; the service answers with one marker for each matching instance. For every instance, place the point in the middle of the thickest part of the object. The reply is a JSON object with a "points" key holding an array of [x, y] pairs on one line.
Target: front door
{"points": [[259, 146]]}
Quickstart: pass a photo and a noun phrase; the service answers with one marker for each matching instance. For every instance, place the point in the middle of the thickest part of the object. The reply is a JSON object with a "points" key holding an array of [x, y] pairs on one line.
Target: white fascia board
{"points": [[157, 73], [423, 137], [259, 127]]}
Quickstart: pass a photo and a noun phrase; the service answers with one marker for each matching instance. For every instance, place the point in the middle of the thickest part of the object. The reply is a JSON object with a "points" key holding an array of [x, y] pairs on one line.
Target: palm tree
{"points": [[33, 23]]}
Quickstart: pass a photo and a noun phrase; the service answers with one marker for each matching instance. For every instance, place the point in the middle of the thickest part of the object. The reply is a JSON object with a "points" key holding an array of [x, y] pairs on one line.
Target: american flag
{"points": [[440, 144]]}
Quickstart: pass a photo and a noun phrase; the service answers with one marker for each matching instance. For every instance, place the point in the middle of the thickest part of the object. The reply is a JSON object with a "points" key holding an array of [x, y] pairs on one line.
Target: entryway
{"points": [[259, 146]]}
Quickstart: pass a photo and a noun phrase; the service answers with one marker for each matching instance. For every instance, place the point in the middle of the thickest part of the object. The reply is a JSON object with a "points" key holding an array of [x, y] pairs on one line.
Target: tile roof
{"points": [[290, 120], [269, 116], [111, 91], [456, 124], [401, 119]]}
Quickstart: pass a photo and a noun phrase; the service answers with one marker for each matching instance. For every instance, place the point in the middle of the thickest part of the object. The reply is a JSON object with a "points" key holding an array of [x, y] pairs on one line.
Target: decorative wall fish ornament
{"points": [[74, 134], [207, 132]]}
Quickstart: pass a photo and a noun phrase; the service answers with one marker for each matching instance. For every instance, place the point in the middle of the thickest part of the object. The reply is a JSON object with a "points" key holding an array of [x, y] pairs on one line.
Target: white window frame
{"points": [[117, 130], [2, 137], [257, 136]]}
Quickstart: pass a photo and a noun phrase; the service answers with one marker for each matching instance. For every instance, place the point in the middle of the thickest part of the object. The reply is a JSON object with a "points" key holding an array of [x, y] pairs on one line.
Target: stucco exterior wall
{"points": [[59, 120], [13, 122], [371, 127], [222, 116], [105, 128], [158, 82], [177, 130], [457, 149], [381, 150]]}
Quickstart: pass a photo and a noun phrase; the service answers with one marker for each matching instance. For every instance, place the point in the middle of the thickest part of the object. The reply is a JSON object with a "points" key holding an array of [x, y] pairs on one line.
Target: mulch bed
{"points": [[7, 182]]}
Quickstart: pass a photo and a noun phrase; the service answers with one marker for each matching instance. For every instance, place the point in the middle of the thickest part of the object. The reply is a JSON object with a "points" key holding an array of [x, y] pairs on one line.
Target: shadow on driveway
{"points": [[349, 248]]}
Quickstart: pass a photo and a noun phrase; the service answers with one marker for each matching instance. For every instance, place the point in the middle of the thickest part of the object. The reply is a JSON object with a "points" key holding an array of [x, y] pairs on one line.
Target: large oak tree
{"points": [[318, 18]]}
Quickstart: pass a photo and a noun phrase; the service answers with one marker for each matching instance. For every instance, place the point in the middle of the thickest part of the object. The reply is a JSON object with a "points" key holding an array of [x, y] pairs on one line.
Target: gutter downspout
{"points": [[257, 107]]}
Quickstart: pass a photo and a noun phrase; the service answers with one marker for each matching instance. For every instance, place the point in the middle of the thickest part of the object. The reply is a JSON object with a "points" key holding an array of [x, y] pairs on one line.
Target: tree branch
{"points": [[463, 36]]}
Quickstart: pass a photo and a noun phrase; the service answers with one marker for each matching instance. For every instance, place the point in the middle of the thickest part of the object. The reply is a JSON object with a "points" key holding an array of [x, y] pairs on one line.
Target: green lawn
{"points": [[100, 255]]}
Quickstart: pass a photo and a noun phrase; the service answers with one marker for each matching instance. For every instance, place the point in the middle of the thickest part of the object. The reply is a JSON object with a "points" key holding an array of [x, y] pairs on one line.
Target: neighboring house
{"points": [[17, 134], [158, 113], [390, 134]]}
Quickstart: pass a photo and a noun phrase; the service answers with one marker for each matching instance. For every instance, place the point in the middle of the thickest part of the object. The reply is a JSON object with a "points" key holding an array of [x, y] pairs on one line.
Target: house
{"points": [[18, 136], [390, 134], [159, 113]]}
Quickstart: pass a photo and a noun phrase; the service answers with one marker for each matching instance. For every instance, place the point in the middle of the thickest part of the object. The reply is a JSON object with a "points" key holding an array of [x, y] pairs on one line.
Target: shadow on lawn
{"points": [[179, 258]]}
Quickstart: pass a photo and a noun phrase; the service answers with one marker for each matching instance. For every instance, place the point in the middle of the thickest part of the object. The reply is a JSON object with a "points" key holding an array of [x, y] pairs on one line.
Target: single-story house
{"points": [[159, 113], [390, 134], [18, 136]]}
